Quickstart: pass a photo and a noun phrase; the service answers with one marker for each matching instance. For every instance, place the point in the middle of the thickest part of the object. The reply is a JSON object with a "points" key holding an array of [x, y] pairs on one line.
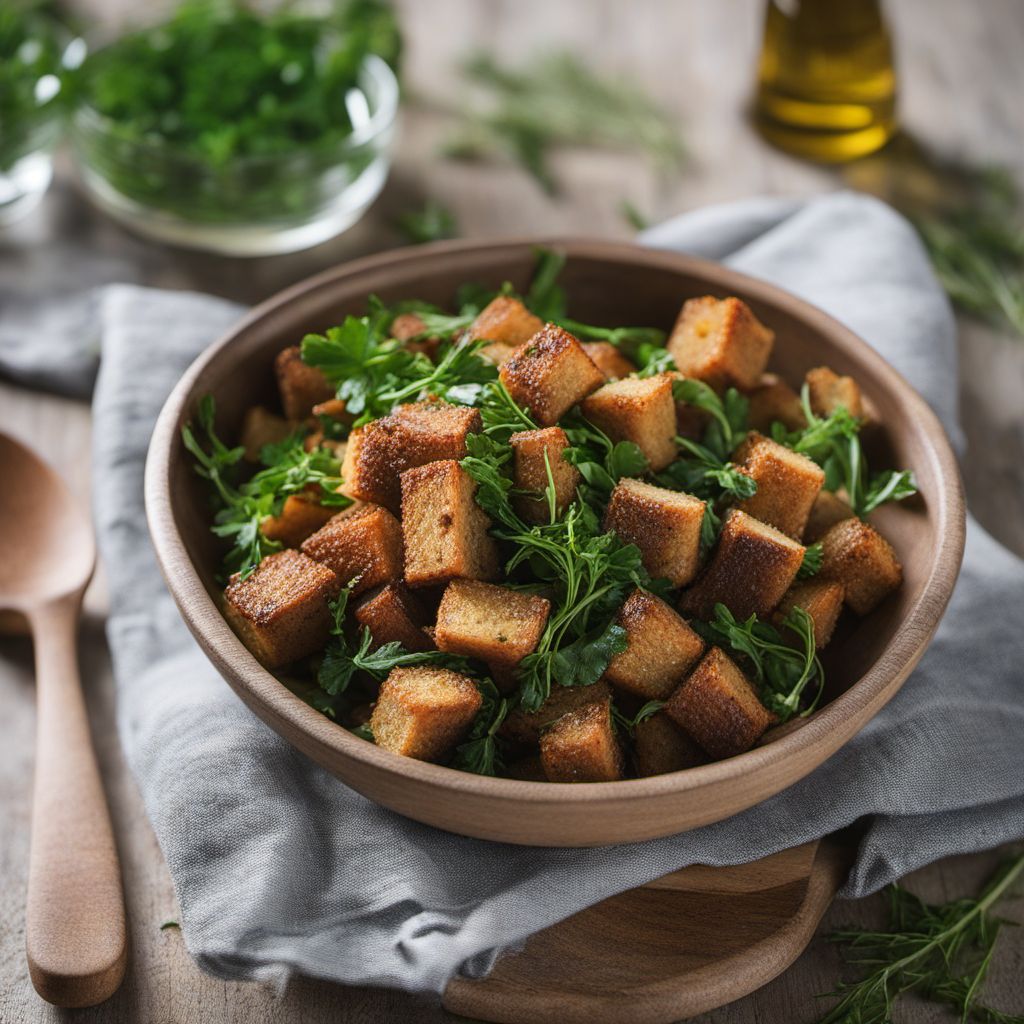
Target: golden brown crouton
{"points": [[662, 648], [664, 525], [525, 727], [549, 374], [660, 747], [787, 483], [827, 510], [362, 544], [641, 410], [772, 400], [860, 558], [718, 707], [581, 746], [827, 391], [721, 342], [411, 435], [423, 712], [445, 531], [506, 323], [391, 613], [752, 567], [259, 427], [821, 599], [333, 408], [534, 452], [608, 359], [409, 328], [301, 386], [301, 515], [280, 610]]}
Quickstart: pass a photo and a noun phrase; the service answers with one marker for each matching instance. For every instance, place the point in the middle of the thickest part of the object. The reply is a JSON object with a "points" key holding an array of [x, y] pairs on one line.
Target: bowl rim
{"points": [[278, 704]]}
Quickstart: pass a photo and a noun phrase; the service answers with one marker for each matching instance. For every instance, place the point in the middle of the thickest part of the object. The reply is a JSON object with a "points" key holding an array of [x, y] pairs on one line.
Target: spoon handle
{"points": [[75, 920]]}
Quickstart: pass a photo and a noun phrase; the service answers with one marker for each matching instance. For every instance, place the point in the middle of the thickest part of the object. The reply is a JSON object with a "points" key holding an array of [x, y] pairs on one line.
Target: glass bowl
{"points": [[251, 206]]}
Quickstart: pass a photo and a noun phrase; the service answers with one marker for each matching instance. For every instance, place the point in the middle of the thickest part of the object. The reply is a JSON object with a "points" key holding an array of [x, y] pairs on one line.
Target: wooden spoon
{"points": [[75, 921]]}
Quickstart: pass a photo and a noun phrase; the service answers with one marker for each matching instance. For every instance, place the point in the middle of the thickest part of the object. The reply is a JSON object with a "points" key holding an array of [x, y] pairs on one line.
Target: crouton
{"points": [[721, 342], [411, 435], [581, 746], [409, 328], [641, 410], [827, 510], [772, 400], [301, 515], [662, 648], [445, 531], [549, 374], [391, 613], [608, 359], [280, 609], [334, 409], [787, 483], [752, 566], [717, 706], [828, 391], [506, 323], [660, 746], [821, 599], [535, 451], [495, 624], [423, 712], [362, 544], [301, 386], [664, 525], [859, 557], [525, 727], [260, 427]]}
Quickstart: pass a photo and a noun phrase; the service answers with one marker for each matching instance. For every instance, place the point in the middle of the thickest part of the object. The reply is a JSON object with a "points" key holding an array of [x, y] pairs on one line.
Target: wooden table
{"points": [[962, 78]]}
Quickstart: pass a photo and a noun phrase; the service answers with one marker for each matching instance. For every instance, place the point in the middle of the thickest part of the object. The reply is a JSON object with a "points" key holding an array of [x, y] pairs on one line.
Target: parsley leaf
{"points": [[479, 753], [584, 661], [811, 565], [652, 707]]}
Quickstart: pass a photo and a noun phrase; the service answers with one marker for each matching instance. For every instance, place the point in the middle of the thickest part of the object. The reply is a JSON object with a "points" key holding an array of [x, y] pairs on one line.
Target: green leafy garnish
{"points": [[601, 461], [432, 223], [627, 724], [811, 564], [633, 217], [169, 924], [479, 753], [728, 414]]}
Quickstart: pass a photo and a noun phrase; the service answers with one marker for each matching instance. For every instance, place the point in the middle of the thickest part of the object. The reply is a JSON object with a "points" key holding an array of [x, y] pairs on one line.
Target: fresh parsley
{"points": [[627, 724], [811, 564], [431, 223], [479, 753]]}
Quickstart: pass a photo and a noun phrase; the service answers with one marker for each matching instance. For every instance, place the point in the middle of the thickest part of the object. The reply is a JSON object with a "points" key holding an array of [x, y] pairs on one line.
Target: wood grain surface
{"points": [[962, 79]]}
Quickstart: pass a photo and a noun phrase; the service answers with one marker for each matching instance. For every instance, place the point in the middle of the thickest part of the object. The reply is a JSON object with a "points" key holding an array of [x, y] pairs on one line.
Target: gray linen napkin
{"points": [[281, 868]]}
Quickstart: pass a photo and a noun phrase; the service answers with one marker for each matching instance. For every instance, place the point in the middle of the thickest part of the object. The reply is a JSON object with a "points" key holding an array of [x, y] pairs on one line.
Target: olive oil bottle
{"points": [[826, 81]]}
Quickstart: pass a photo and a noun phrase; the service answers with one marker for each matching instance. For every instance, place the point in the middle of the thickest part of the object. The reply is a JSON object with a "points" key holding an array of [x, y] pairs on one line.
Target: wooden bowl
{"points": [[607, 283]]}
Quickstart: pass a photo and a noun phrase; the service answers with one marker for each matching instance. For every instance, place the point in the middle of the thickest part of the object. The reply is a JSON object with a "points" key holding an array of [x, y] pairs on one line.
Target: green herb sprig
{"points": [[479, 753], [431, 223]]}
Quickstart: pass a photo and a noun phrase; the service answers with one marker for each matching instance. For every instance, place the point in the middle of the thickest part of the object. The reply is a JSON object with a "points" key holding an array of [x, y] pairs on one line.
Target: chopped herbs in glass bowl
{"points": [[238, 131]]}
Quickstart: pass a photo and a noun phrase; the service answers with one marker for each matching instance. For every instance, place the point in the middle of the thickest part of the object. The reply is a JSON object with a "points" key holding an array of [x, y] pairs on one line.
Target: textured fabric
{"points": [[280, 868]]}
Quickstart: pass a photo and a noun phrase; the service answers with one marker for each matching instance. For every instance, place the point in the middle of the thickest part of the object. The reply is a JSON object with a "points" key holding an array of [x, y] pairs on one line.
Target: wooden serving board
{"points": [[682, 945]]}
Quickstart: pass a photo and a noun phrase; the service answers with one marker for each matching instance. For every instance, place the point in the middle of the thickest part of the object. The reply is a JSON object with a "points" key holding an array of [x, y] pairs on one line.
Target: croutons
{"points": [[495, 624], [259, 427], [859, 557], [661, 649], [664, 525], [718, 707], [409, 328], [641, 410], [301, 386], [721, 342], [362, 544], [444, 530], [534, 451], [280, 609], [827, 391], [301, 515], [581, 746], [608, 359], [506, 323], [549, 374], [660, 746], [752, 567], [525, 727], [827, 510], [411, 435], [772, 400], [787, 483], [423, 712], [821, 599], [391, 613]]}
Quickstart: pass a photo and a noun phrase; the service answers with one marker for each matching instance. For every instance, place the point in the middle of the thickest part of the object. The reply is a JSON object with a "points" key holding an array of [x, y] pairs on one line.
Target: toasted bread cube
{"points": [[506, 323], [608, 359], [752, 567], [660, 747], [301, 386], [772, 400], [391, 613], [534, 451], [445, 531], [411, 435], [664, 525], [423, 712], [333, 408], [362, 544], [787, 483], [662, 648], [828, 391], [827, 510], [526, 727], [495, 624], [858, 556], [549, 374], [260, 427], [280, 609], [821, 599], [582, 747], [718, 707], [409, 328], [721, 342], [301, 515], [638, 409]]}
